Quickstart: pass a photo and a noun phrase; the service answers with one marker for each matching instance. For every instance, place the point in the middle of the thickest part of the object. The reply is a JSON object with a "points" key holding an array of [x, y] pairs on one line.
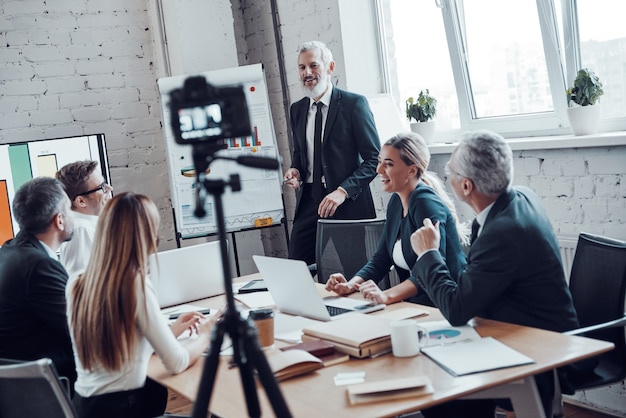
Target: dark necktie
{"points": [[475, 228], [318, 190]]}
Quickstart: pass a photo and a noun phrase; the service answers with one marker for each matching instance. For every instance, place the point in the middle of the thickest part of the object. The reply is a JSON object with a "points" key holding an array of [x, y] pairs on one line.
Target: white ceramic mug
{"points": [[407, 338]]}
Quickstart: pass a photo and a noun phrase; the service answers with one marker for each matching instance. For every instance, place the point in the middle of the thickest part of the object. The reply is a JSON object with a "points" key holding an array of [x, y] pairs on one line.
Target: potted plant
{"points": [[582, 100], [422, 111]]}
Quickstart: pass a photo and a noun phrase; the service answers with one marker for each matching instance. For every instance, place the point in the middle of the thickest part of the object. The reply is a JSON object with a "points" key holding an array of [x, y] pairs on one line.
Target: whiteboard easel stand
{"points": [[283, 223]]}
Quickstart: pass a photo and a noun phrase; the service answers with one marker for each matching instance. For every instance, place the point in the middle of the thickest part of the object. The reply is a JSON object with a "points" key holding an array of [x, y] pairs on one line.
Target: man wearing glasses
{"points": [[88, 192]]}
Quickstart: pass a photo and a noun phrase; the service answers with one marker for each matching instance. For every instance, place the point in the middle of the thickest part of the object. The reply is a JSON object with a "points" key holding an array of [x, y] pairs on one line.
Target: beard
{"points": [[68, 236], [316, 90]]}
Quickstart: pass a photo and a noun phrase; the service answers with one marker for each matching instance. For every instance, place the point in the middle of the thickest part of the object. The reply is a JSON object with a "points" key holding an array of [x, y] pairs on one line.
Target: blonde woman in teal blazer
{"points": [[417, 194]]}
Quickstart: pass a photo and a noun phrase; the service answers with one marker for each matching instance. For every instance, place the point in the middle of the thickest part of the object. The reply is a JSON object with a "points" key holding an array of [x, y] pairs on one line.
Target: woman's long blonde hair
{"points": [[104, 303], [413, 150]]}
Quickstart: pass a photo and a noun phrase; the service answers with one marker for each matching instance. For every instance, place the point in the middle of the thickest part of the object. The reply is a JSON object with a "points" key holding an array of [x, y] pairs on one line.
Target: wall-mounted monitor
{"points": [[22, 161]]}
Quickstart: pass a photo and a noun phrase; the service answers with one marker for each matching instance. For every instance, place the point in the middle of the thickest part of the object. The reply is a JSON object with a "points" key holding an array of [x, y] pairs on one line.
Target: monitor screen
{"points": [[22, 161]]}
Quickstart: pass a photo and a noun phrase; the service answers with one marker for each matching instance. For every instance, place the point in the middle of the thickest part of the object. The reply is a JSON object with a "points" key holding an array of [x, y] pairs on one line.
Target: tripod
{"points": [[247, 353]]}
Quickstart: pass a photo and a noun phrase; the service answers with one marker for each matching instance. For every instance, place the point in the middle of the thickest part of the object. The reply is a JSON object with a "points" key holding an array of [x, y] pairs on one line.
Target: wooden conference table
{"points": [[315, 394]]}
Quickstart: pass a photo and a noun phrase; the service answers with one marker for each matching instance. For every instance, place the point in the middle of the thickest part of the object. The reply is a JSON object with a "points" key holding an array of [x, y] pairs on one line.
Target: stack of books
{"points": [[358, 335]]}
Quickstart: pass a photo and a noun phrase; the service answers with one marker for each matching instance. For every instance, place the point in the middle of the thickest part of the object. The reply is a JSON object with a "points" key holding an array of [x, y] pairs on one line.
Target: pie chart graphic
{"points": [[443, 334]]}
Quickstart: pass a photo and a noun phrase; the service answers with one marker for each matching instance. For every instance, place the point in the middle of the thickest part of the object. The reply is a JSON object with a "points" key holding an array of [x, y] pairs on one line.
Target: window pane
{"points": [[417, 44], [602, 35], [507, 67]]}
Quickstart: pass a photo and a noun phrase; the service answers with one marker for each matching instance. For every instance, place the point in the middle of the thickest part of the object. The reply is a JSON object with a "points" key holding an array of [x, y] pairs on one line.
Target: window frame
{"points": [[562, 61], [544, 123]]}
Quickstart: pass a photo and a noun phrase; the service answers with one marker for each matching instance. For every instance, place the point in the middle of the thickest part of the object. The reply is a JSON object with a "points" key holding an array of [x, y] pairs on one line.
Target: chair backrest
{"points": [[32, 389], [344, 246], [598, 279], [598, 287]]}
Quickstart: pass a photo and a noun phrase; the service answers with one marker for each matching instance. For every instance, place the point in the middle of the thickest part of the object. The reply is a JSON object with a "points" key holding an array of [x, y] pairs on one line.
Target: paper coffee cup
{"points": [[264, 321]]}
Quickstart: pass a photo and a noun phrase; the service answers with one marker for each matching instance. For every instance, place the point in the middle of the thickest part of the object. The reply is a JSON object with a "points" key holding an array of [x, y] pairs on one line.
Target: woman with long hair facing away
{"points": [[417, 194], [115, 320]]}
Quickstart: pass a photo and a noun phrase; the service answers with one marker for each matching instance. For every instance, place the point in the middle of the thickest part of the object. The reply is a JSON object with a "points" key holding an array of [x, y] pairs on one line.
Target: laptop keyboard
{"points": [[334, 310]]}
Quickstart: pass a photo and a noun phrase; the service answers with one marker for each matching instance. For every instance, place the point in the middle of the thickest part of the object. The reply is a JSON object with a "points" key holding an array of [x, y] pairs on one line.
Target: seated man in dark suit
{"points": [[33, 321], [513, 272]]}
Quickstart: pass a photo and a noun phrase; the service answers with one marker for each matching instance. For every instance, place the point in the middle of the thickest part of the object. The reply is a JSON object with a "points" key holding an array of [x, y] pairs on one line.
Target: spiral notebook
{"points": [[473, 356]]}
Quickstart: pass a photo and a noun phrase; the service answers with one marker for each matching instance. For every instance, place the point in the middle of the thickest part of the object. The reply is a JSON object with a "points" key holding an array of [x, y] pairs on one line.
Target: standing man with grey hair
{"points": [[335, 152], [88, 192], [513, 272], [33, 321]]}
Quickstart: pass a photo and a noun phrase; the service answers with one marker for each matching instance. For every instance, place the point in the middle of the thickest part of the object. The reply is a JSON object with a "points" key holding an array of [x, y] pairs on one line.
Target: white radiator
{"points": [[567, 247]]}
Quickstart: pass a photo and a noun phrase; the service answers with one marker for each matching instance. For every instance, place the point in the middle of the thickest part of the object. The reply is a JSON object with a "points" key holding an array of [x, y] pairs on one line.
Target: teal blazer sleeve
{"points": [[423, 203]]}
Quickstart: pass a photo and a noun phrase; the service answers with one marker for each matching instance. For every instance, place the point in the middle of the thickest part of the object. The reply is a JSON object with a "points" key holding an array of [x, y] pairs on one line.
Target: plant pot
{"points": [[584, 119], [425, 129]]}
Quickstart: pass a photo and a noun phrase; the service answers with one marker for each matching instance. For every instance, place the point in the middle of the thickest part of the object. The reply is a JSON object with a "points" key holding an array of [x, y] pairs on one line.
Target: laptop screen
{"points": [[294, 291], [186, 274]]}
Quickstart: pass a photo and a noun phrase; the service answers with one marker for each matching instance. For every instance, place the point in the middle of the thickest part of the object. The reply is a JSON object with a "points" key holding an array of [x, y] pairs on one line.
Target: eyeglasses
{"points": [[447, 171], [104, 187]]}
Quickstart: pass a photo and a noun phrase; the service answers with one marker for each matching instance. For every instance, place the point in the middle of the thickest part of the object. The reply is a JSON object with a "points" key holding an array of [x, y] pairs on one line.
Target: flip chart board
{"points": [[260, 198]]}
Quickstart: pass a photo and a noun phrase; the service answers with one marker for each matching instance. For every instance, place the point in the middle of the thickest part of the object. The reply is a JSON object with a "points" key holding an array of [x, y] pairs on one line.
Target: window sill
{"points": [[605, 139]]}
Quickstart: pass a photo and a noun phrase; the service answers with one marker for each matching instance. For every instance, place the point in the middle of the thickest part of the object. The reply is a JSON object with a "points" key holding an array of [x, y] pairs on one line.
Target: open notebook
{"points": [[294, 292]]}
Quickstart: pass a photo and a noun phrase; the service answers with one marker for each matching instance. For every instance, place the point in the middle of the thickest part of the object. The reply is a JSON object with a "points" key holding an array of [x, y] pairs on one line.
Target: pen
{"points": [[202, 311], [466, 340]]}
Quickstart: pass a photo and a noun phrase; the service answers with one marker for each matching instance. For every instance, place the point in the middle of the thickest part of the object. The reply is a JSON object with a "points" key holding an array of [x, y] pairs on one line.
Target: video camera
{"points": [[201, 112]]}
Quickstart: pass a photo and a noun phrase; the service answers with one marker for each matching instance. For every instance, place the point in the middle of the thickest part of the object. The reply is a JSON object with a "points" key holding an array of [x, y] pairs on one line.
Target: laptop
{"points": [[294, 292], [186, 274]]}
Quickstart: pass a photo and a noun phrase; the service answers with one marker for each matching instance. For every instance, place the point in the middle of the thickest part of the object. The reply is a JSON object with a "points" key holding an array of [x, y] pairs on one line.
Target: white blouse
{"points": [[154, 336], [398, 255]]}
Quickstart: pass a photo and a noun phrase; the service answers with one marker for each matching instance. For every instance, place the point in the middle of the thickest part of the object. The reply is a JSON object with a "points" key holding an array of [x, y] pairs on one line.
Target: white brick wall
{"points": [[76, 67], [582, 189]]}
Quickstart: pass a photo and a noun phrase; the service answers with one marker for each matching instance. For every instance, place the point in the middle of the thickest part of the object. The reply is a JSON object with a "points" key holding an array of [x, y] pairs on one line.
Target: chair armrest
{"points": [[65, 384], [620, 322]]}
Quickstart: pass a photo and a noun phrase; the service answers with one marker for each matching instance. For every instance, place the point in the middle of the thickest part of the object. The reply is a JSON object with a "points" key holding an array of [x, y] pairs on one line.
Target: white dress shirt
{"points": [[310, 131], [75, 252]]}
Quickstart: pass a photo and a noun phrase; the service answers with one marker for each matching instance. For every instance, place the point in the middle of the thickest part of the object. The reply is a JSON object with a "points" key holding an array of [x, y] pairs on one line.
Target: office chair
{"points": [[33, 389], [344, 246], [598, 287]]}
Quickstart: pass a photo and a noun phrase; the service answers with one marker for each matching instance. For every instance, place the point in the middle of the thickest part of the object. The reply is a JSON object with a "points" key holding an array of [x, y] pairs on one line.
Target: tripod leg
{"points": [[246, 369], [266, 376], [246, 351], [209, 372]]}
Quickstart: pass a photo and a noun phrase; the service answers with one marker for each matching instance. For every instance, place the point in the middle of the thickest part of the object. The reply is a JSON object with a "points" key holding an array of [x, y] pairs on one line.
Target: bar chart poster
{"points": [[260, 197], [21, 162]]}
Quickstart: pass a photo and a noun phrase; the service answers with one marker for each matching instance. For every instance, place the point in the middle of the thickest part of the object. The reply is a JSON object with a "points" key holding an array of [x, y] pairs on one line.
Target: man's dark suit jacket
{"points": [[513, 272], [349, 151], [33, 321]]}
